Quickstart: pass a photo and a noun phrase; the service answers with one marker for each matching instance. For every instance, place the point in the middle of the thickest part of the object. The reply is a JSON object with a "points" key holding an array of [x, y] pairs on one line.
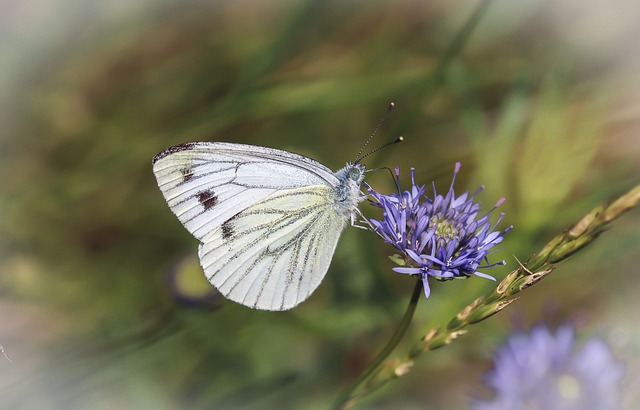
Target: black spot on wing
{"points": [[208, 199], [172, 150], [227, 230], [187, 174]]}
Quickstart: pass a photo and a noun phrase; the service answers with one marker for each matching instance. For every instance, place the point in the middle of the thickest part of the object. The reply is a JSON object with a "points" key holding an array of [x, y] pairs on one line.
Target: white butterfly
{"points": [[268, 220]]}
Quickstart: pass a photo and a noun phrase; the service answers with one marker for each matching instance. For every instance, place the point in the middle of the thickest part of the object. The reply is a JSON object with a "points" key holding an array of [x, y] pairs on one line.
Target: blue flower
{"points": [[441, 237], [541, 370]]}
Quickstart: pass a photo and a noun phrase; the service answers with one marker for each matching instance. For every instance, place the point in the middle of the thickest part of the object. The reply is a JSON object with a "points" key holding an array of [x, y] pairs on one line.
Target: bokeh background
{"points": [[102, 303]]}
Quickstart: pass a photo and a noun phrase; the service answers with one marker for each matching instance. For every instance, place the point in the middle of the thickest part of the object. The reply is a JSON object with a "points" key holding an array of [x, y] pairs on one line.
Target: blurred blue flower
{"points": [[541, 370], [441, 237]]}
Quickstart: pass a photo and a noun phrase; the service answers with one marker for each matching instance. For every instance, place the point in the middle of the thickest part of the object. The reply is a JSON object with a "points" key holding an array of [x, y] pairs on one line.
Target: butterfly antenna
{"points": [[375, 130], [397, 140]]}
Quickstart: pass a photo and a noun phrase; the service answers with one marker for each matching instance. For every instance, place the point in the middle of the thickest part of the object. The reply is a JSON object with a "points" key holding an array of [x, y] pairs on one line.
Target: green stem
{"points": [[345, 400], [461, 38], [424, 89]]}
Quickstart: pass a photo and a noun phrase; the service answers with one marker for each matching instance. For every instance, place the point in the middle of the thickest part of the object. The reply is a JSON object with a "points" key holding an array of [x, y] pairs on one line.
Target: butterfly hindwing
{"points": [[274, 254]]}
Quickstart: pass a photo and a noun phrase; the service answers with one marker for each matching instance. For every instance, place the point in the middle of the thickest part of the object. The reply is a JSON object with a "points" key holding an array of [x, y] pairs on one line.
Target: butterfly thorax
{"points": [[350, 177]]}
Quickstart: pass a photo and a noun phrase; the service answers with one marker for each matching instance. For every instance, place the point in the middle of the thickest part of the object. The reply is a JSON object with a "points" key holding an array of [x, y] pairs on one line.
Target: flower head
{"points": [[443, 237], [542, 370]]}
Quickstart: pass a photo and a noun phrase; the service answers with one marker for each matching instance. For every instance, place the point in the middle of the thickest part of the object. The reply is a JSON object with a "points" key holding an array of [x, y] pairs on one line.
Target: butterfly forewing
{"points": [[205, 184], [268, 220]]}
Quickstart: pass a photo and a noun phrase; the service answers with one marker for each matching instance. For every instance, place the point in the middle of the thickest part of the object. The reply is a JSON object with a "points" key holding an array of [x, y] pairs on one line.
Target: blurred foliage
{"points": [[541, 106]]}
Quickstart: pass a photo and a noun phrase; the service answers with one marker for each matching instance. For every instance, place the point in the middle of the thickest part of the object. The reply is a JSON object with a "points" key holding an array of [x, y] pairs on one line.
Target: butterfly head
{"points": [[356, 172]]}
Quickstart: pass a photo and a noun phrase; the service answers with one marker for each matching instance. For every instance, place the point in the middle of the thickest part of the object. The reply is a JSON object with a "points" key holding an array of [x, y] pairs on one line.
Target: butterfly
{"points": [[268, 220]]}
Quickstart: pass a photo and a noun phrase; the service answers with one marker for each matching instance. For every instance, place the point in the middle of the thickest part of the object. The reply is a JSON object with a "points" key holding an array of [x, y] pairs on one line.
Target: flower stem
{"points": [[347, 398]]}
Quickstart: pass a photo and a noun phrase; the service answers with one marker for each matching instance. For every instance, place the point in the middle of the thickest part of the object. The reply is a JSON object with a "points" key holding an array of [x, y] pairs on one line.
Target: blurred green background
{"points": [[541, 105]]}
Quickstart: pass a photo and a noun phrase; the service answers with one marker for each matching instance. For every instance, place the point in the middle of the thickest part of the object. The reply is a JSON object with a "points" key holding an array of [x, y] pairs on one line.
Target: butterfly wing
{"points": [[206, 183], [266, 218], [274, 254]]}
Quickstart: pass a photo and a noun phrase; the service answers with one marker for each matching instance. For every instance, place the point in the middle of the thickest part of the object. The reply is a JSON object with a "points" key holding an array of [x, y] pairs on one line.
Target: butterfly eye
{"points": [[354, 173]]}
